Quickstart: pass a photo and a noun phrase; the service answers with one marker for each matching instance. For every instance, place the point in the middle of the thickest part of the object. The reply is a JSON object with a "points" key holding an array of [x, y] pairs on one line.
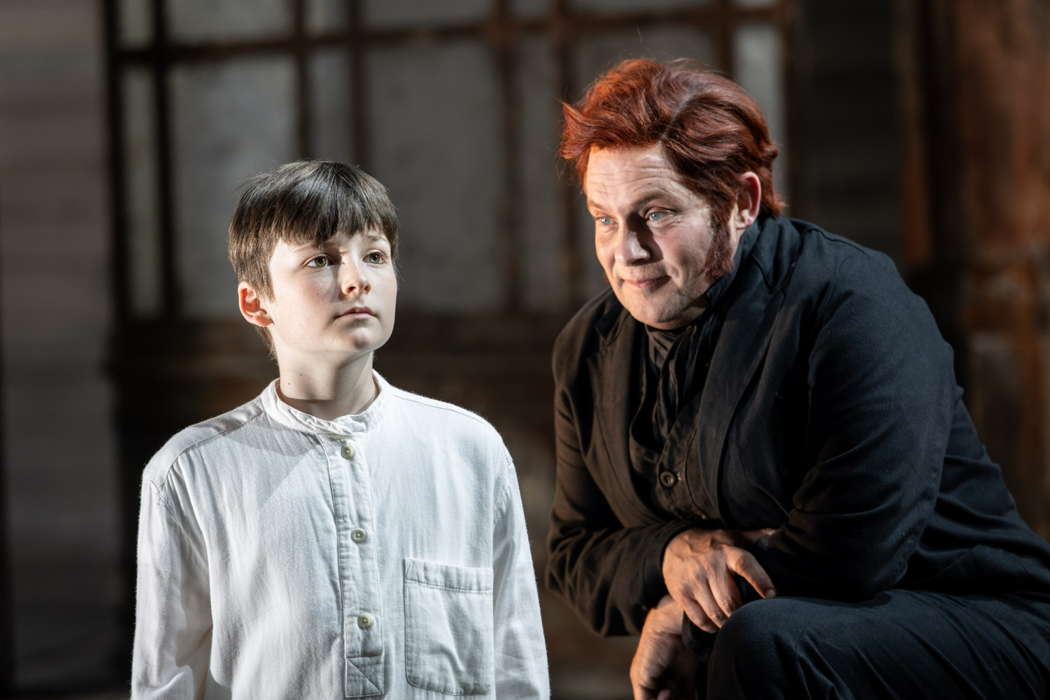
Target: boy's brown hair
{"points": [[303, 202]]}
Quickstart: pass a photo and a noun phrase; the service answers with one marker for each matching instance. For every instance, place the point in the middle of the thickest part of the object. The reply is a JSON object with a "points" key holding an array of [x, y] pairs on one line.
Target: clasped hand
{"points": [[698, 570], [657, 669]]}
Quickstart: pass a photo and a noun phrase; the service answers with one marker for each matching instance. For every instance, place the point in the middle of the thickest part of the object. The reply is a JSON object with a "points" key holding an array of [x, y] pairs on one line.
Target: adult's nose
{"points": [[630, 249]]}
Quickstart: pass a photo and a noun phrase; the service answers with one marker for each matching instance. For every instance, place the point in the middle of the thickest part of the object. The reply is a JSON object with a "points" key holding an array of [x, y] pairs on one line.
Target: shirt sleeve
{"points": [[882, 391], [610, 574], [172, 608], [520, 653]]}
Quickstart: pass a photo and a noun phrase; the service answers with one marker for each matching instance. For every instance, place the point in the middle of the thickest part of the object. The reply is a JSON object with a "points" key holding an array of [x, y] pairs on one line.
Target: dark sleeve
{"points": [[608, 573], [881, 388]]}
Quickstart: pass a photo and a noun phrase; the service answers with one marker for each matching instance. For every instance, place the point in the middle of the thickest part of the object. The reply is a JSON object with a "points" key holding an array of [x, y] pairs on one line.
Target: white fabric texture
{"points": [[381, 554]]}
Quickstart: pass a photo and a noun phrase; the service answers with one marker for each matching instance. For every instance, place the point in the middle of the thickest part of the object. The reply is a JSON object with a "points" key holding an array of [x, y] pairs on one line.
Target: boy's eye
{"points": [[319, 261], [376, 257]]}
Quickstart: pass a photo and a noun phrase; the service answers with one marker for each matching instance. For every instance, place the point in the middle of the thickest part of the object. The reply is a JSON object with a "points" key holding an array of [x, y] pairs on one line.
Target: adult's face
{"points": [[652, 234]]}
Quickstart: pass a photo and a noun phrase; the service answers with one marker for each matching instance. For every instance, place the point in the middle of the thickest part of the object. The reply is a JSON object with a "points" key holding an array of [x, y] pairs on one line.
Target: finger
{"points": [[694, 610], [726, 593], [743, 563], [712, 610]]}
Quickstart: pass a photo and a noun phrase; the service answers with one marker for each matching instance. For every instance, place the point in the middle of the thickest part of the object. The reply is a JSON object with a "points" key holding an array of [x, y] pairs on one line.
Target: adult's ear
{"points": [[250, 303], [748, 201]]}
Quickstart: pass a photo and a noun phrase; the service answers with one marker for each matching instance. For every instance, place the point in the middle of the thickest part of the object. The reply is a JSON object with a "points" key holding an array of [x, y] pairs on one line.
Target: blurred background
{"points": [[919, 128]]}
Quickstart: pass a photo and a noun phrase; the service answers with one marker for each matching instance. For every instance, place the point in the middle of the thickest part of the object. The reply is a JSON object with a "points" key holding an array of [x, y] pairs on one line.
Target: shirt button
{"points": [[358, 535], [365, 621], [668, 479], [348, 451]]}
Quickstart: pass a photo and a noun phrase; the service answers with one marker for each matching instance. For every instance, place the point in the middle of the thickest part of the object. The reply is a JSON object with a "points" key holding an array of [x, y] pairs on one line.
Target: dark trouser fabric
{"points": [[901, 644]]}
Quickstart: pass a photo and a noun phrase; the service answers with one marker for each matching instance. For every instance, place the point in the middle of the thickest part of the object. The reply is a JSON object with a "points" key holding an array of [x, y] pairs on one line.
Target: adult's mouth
{"points": [[646, 282]]}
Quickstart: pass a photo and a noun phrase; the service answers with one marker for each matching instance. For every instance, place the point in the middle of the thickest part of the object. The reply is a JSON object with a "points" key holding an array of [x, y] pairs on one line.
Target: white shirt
{"points": [[384, 553]]}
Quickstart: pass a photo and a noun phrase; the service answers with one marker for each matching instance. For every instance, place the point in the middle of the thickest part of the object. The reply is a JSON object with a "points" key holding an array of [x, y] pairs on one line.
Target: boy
{"points": [[334, 537]]}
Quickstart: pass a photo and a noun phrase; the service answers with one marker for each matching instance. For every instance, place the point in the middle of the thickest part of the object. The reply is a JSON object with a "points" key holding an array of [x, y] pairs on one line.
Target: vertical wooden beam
{"points": [[303, 105], [503, 37], [170, 293], [359, 137], [563, 34], [935, 243], [725, 28], [116, 165], [787, 20], [7, 630]]}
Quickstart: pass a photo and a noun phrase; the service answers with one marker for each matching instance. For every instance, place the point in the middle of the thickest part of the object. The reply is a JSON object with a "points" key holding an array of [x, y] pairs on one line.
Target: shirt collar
{"points": [[350, 425]]}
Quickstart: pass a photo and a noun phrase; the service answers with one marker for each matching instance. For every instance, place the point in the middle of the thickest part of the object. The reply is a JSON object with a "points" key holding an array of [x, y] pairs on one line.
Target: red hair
{"points": [[710, 129]]}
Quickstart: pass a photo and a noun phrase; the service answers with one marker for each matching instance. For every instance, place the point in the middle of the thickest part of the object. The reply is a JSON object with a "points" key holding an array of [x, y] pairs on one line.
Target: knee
{"points": [[753, 654], [755, 631]]}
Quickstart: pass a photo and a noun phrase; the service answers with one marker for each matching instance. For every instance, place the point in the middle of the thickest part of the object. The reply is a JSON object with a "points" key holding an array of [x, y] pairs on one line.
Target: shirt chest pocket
{"points": [[449, 643]]}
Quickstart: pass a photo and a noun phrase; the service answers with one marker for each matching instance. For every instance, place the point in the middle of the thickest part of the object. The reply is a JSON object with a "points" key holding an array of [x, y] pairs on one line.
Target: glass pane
{"points": [[538, 206], [757, 54], [634, 5], [195, 20], [597, 53], [231, 121], [136, 17], [327, 15], [385, 13], [141, 194], [333, 119], [435, 144], [530, 8]]}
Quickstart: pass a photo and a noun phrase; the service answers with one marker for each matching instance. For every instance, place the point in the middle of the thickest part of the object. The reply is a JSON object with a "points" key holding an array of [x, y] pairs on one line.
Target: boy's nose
{"points": [[354, 280]]}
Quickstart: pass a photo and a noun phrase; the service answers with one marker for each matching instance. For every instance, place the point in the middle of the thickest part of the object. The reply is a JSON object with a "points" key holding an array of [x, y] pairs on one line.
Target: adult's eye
{"points": [[603, 220], [655, 215]]}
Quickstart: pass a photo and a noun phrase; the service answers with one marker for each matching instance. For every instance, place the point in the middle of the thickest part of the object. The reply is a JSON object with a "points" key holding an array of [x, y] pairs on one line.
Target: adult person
{"points": [[764, 464]]}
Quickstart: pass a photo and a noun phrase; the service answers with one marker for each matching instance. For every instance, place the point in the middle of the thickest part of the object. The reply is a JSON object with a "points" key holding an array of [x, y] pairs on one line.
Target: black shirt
{"points": [[671, 370]]}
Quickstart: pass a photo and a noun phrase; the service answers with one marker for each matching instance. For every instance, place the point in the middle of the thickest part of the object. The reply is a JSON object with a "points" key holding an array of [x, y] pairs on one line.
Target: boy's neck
{"points": [[328, 392]]}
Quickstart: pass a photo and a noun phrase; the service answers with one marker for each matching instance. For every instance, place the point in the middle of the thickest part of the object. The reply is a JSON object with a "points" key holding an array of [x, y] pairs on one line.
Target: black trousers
{"points": [[901, 644]]}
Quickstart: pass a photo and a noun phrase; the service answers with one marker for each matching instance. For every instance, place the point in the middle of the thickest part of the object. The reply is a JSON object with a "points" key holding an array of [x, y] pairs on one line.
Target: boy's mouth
{"points": [[357, 311]]}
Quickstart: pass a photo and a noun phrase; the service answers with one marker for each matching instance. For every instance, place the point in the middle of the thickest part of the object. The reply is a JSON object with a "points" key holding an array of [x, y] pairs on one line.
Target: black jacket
{"points": [[830, 412]]}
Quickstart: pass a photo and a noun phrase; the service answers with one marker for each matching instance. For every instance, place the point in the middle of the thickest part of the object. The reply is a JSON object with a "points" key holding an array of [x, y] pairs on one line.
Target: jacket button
{"points": [[668, 479], [365, 621], [358, 535], [348, 451]]}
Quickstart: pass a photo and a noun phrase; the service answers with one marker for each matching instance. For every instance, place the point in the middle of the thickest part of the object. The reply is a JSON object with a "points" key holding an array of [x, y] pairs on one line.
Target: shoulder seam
{"points": [[439, 405], [199, 443]]}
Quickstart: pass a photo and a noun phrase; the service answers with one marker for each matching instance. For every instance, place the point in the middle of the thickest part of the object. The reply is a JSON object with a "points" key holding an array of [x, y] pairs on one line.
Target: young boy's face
{"points": [[334, 300]]}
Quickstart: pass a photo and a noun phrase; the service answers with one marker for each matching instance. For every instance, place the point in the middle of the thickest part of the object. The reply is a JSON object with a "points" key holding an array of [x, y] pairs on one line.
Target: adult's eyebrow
{"points": [[640, 202]]}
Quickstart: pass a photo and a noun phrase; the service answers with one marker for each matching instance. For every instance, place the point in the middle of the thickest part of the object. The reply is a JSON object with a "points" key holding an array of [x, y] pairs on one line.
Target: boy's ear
{"points": [[250, 302]]}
